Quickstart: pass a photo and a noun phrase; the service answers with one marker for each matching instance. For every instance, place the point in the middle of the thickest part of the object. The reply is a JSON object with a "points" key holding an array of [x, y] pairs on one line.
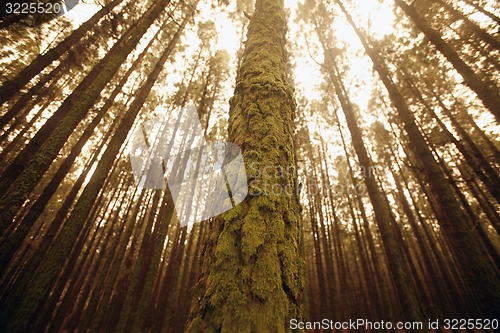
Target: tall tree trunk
{"points": [[483, 11], [14, 241], [14, 112], [374, 275], [481, 167], [383, 216], [93, 316], [33, 294], [252, 279], [20, 178], [473, 27]]}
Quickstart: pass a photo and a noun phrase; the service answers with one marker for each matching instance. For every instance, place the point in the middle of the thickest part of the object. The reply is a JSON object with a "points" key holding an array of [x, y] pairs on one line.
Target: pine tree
{"points": [[20, 178], [34, 292], [11, 87], [383, 215], [484, 90]]}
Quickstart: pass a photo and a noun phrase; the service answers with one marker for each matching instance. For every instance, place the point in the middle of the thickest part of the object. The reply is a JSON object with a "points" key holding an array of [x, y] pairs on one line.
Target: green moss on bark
{"points": [[252, 274]]}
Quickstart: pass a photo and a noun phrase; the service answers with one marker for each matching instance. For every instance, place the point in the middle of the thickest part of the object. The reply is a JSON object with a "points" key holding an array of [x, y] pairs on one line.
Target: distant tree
{"points": [[28, 294], [484, 90], [36, 157], [14, 85], [466, 245]]}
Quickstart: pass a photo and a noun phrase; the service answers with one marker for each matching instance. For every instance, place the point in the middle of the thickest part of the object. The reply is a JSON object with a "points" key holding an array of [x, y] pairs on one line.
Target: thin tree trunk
{"points": [[489, 96], [36, 292], [483, 11], [8, 249], [37, 90], [466, 245], [473, 27], [397, 263], [13, 86], [29, 166]]}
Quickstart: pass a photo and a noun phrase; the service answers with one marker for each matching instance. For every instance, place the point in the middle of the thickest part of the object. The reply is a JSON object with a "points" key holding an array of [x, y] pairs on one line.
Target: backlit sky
{"points": [[376, 14], [305, 52], [306, 71], [304, 56]]}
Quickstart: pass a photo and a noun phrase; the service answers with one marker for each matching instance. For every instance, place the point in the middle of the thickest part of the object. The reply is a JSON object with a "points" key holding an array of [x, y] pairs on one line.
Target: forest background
{"points": [[370, 134]]}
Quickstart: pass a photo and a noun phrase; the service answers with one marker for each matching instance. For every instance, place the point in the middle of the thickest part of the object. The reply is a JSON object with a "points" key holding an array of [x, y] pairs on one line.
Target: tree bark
{"points": [[20, 178], [383, 216], [36, 291], [252, 279], [11, 87]]}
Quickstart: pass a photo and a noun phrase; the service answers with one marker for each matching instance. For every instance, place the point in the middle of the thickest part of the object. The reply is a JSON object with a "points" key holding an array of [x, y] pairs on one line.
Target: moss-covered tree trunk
{"points": [[252, 273]]}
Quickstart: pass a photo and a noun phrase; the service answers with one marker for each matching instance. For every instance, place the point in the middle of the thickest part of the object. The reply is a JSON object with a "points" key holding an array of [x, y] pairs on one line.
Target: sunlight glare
{"points": [[380, 19], [227, 35]]}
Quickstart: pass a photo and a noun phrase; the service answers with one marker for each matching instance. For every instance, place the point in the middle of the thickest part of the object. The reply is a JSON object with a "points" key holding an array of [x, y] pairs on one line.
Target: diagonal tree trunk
{"points": [[473, 27], [489, 96], [29, 296], [398, 266], [21, 177], [14, 241], [483, 11], [11, 87]]}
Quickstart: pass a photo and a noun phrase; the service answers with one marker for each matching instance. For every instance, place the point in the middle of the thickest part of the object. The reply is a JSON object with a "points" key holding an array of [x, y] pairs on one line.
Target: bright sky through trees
{"points": [[379, 16]]}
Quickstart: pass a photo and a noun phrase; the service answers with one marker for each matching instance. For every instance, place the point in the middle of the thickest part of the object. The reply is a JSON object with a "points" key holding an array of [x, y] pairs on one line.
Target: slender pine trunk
{"points": [[487, 94], [20, 178], [466, 244], [13, 86]]}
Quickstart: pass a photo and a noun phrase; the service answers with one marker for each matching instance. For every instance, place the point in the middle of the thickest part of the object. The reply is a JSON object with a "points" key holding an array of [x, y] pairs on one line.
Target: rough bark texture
{"points": [[252, 274]]}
